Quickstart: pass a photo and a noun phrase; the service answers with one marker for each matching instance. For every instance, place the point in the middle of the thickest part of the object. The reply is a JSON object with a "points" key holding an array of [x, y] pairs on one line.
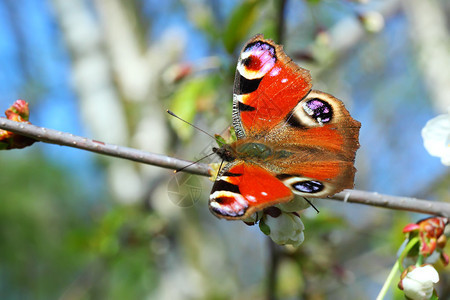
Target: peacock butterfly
{"points": [[290, 139]]}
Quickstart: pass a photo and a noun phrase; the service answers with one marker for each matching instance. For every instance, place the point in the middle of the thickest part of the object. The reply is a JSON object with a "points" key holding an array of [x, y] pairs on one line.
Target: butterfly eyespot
{"points": [[305, 186], [319, 110], [258, 48], [227, 204], [310, 186], [256, 60]]}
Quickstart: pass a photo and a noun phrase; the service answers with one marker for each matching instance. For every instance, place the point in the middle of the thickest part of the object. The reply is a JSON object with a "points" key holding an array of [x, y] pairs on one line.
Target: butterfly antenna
{"points": [[198, 128], [193, 163], [312, 205]]}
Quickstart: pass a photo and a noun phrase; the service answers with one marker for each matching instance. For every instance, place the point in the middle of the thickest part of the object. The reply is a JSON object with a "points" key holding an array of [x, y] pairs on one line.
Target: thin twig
{"points": [[281, 21], [67, 139], [393, 202], [353, 196], [272, 270]]}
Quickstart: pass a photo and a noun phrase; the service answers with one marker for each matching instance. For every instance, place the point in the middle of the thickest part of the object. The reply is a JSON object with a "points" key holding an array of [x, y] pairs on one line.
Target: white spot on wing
{"points": [[275, 71], [319, 120]]}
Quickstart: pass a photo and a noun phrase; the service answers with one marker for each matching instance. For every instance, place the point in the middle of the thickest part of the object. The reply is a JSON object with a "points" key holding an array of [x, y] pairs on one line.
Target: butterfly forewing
{"points": [[268, 85]]}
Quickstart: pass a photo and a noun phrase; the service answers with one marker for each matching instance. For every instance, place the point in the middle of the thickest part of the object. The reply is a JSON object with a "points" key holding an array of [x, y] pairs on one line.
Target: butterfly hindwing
{"points": [[322, 121], [322, 139], [243, 189]]}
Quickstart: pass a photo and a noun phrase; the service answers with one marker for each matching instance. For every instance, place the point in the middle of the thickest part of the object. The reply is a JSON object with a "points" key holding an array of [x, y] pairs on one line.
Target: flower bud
{"points": [[286, 228], [418, 284]]}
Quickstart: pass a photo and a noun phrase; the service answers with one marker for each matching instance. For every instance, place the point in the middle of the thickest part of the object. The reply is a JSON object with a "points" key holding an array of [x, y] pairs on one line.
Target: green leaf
{"points": [[203, 17], [263, 227], [220, 140], [233, 137], [228, 138], [184, 103], [3, 146], [434, 296], [240, 22]]}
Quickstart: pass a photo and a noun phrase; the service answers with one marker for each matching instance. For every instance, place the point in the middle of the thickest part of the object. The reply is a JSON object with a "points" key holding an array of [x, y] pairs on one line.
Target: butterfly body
{"points": [[249, 151], [290, 139]]}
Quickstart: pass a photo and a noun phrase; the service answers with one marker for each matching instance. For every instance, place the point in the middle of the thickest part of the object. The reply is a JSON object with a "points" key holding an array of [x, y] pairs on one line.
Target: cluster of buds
{"points": [[425, 243], [430, 232], [282, 223], [18, 112]]}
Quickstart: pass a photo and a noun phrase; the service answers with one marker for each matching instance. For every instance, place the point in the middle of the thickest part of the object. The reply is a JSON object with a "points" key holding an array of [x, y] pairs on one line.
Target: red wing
{"points": [[243, 189], [267, 86], [318, 179], [321, 138], [320, 121]]}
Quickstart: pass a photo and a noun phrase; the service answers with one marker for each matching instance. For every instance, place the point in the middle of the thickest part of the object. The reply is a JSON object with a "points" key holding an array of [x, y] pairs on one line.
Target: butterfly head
{"points": [[225, 152]]}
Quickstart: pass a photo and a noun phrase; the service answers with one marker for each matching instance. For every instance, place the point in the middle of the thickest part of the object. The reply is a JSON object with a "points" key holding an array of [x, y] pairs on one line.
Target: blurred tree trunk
{"points": [[429, 32], [117, 78]]}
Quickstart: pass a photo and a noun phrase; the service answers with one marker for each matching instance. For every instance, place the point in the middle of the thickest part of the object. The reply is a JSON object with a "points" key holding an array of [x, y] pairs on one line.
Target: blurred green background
{"points": [[75, 225]]}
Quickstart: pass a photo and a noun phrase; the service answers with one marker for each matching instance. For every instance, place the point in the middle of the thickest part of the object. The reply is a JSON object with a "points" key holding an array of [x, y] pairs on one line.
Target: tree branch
{"points": [[394, 202], [67, 139]]}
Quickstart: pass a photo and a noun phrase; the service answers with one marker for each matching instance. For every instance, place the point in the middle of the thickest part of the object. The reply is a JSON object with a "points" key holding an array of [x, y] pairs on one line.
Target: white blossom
{"points": [[287, 228], [372, 21], [436, 137], [419, 283]]}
